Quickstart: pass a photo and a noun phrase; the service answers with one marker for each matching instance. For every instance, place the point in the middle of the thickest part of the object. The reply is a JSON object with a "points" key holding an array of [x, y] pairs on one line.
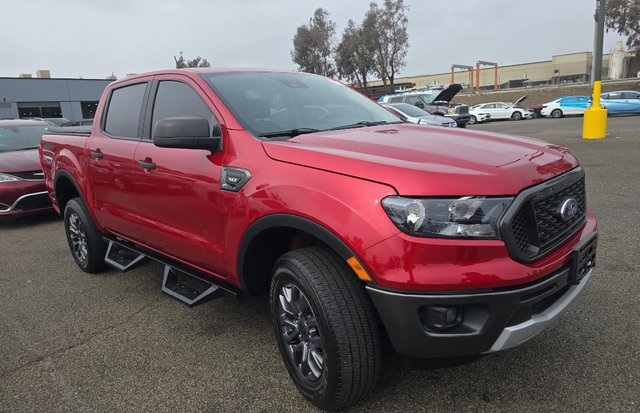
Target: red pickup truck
{"points": [[359, 227]]}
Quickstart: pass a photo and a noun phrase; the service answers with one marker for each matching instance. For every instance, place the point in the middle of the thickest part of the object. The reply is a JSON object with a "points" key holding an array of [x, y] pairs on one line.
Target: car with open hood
{"points": [[436, 100], [414, 114], [503, 110]]}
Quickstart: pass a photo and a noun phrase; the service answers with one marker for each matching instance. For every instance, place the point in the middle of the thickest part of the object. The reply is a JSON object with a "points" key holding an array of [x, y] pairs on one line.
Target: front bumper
{"points": [[491, 320], [28, 203], [461, 119]]}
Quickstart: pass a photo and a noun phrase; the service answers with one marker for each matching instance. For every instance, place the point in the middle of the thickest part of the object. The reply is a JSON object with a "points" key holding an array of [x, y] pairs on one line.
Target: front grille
{"points": [[533, 225], [462, 109], [550, 226], [30, 175], [35, 201]]}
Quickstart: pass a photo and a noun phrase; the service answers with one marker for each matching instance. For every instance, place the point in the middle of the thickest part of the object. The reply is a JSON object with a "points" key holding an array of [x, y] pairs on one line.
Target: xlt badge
{"points": [[233, 179]]}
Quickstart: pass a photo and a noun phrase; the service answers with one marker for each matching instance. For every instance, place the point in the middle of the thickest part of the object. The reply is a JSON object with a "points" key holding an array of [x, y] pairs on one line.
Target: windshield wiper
{"points": [[289, 133], [365, 123]]}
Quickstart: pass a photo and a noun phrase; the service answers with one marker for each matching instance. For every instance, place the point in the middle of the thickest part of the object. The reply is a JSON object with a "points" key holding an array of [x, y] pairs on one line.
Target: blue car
{"points": [[621, 102]]}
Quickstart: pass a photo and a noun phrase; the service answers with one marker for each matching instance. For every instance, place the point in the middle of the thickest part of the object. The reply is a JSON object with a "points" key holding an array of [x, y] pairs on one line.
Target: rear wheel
{"points": [[325, 328], [85, 241], [472, 120], [516, 116], [556, 113]]}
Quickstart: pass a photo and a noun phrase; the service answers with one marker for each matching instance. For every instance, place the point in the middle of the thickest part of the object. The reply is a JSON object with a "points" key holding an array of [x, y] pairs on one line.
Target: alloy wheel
{"points": [[298, 328], [78, 238]]}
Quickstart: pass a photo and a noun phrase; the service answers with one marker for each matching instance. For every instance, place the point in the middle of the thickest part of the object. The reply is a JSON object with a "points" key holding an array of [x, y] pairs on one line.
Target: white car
{"points": [[477, 116], [414, 114], [565, 105], [503, 110]]}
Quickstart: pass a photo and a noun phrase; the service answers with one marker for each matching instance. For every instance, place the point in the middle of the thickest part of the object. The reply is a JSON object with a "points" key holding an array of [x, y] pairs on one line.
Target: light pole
{"points": [[595, 118]]}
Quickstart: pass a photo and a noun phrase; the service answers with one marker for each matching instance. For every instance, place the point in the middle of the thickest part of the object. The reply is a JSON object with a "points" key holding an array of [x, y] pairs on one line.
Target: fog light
{"points": [[440, 318]]}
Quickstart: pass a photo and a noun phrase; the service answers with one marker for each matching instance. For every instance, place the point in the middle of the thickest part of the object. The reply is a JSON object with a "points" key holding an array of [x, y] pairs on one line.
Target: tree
{"points": [[387, 28], [313, 45], [623, 16], [181, 63], [355, 55]]}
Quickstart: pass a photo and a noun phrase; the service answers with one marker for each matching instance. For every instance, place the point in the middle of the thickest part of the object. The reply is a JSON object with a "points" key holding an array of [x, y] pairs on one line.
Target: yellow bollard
{"points": [[594, 125]]}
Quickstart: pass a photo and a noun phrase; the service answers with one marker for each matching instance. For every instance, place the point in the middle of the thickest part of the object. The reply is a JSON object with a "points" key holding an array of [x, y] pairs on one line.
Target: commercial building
{"points": [[561, 69], [44, 97]]}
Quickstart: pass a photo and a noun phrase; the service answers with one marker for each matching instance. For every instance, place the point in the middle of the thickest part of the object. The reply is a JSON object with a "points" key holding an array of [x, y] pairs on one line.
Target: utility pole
{"points": [[595, 118]]}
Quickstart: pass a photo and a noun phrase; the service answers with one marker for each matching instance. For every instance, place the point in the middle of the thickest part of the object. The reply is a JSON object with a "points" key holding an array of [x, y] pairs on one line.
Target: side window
{"points": [[615, 95], [397, 99], [123, 114], [413, 100], [175, 99]]}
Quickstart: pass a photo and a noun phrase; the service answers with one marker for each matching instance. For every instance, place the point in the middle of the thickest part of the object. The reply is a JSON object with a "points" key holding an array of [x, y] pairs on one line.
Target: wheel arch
{"points": [[65, 189], [273, 235]]}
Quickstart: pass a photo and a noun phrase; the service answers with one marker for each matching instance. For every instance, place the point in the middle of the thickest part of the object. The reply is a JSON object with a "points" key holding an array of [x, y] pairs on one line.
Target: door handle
{"points": [[96, 154], [147, 165]]}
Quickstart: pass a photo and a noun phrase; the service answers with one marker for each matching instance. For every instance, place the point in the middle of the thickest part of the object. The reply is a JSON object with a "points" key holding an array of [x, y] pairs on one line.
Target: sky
{"points": [[94, 39]]}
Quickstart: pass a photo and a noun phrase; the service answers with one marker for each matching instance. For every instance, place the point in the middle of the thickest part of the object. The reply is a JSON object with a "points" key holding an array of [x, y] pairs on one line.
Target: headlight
{"points": [[8, 178], [466, 217], [451, 111]]}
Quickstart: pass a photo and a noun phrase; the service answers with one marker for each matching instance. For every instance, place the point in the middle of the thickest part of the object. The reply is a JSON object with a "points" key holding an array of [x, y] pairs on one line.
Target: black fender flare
{"points": [[68, 176], [293, 222]]}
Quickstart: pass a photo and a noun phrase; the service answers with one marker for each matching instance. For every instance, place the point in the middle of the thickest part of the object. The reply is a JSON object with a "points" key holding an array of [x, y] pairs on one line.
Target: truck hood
{"points": [[20, 161], [428, 161], [448, 93]]}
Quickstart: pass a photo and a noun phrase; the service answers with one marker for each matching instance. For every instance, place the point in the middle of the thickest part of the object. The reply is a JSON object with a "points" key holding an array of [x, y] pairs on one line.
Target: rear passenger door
{"points": [[179, 189], [110, 161]]}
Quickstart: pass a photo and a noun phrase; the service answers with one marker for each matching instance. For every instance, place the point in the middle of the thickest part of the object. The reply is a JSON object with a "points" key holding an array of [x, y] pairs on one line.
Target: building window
{"points": [[39, 110], [89, 109]]}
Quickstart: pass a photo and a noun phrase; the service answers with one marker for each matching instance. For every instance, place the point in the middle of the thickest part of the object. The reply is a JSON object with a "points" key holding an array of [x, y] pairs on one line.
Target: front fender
{"points": [[342, 211]]}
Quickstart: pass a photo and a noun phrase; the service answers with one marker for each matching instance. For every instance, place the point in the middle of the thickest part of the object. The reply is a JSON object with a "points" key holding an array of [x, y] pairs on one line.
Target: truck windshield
{"points": [[16, 138], [283, 104]]}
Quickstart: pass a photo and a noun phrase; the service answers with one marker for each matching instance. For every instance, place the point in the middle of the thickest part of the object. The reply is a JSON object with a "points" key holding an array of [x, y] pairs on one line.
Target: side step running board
{"points": [[179, 282], [188, 288], [121, 257]]}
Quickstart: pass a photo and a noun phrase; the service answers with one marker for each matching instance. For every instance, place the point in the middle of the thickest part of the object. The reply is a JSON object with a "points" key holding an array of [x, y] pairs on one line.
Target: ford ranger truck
{"points": [[359, 227]]}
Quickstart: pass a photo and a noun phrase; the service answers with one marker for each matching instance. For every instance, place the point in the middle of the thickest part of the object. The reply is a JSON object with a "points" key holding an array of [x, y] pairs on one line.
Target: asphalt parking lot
{"points": [[114, 342]]}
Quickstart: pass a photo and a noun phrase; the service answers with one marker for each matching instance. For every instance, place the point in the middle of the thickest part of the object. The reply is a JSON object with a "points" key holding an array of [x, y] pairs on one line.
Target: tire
{"points": [[556, 114], [472, 120], [85, 241], [325, 327], [516, 116]]}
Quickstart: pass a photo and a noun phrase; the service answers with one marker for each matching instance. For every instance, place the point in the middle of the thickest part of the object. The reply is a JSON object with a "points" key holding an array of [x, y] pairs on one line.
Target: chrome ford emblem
{"points": [[568, 209]]}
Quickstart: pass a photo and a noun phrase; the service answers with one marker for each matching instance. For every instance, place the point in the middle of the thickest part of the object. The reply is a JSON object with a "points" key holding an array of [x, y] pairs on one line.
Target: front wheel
{"points": [[472, 120], [325, 328], [516, 116], [85, 241], [556, 113]]}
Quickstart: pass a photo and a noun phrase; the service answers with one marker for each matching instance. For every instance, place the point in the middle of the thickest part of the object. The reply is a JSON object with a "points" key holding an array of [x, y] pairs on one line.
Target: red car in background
{"points": [[22, 189]]}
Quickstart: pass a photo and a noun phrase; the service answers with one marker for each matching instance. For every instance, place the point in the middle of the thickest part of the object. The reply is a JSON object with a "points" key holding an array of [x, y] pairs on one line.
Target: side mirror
{"points": [[188, 132]]}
